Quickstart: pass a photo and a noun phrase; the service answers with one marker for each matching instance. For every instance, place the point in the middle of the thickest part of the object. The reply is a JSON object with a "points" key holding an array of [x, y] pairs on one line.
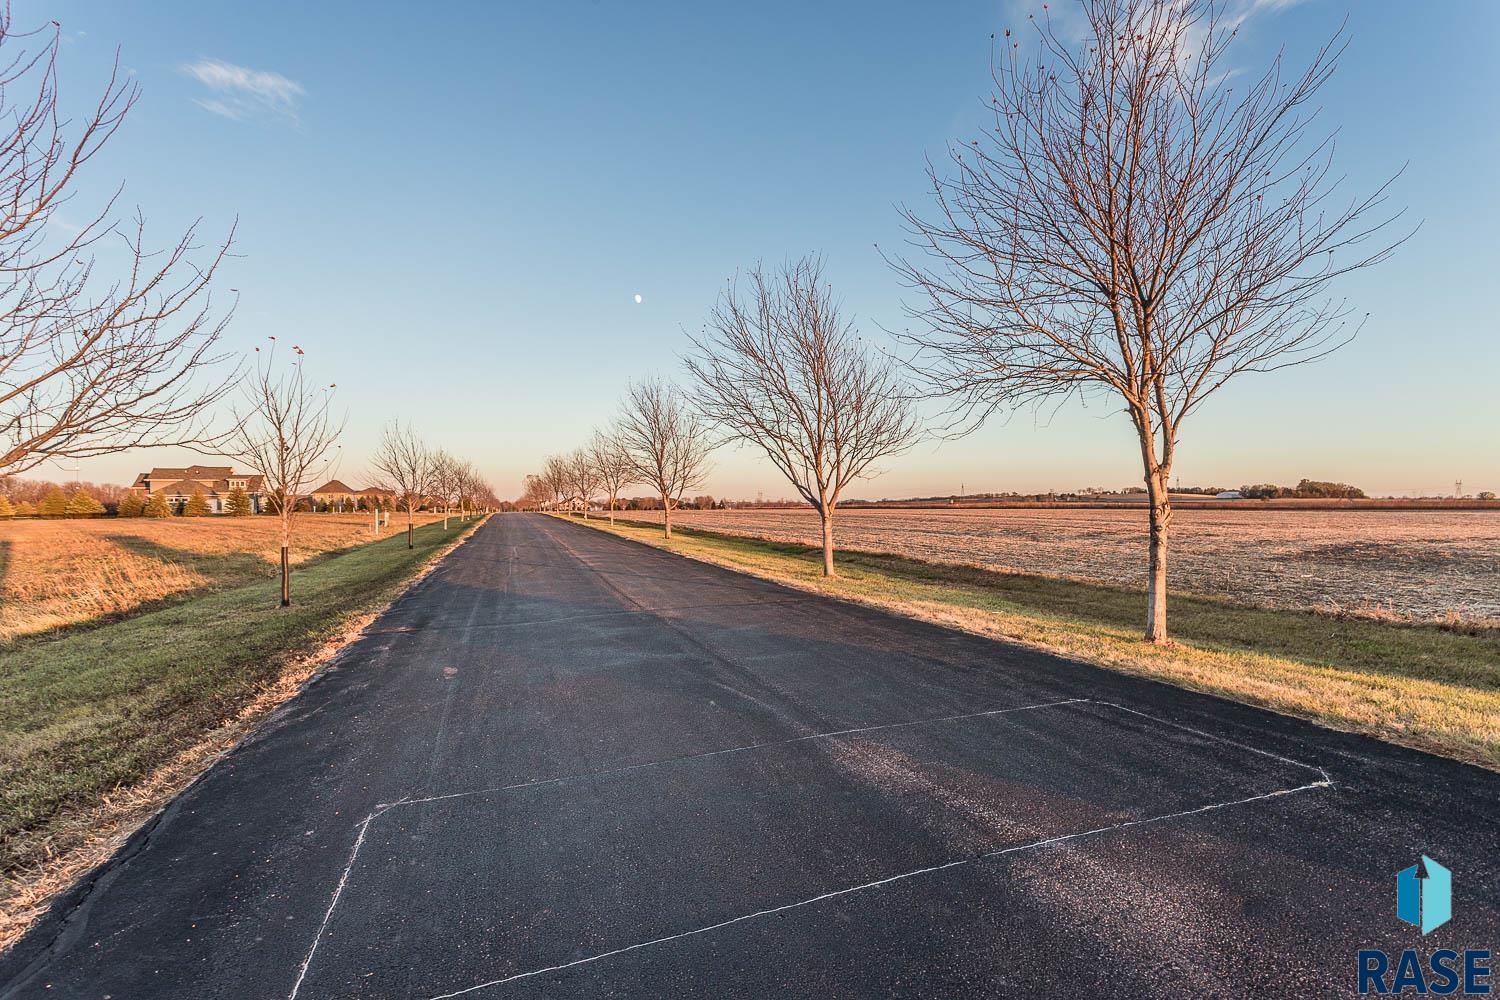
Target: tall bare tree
{"points": [[667, 443], [613, 465], [89, 365], [403, 465], [779, 368], [285, 429], [1142, 224]]}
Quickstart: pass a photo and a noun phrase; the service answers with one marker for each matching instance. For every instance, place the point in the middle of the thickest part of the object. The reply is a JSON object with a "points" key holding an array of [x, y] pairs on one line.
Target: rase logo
{"points": [[1424, 899]]}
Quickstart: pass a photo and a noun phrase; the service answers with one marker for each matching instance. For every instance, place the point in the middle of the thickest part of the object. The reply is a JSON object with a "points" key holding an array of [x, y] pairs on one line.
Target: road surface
{"points": [[568, 765]]}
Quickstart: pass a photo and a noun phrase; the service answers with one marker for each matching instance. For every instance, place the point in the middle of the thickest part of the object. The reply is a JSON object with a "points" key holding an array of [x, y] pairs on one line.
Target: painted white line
{"points": [[1048, 842], [732, 750]]}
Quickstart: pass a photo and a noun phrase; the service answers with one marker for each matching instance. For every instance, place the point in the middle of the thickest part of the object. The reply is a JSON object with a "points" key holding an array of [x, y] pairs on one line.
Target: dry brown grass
{"points": [[60, 573], [1433, 566]]}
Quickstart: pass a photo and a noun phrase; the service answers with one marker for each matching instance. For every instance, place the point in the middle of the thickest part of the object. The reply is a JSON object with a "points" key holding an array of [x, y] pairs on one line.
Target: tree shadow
{"points": [[224, 568]]}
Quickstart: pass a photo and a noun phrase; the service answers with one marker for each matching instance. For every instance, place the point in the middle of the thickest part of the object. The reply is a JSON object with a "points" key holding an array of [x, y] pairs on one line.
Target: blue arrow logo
{"points": [[1424, 895]]}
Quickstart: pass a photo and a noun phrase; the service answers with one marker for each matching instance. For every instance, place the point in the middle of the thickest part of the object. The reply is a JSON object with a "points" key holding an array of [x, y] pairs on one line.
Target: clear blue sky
{"points": [[451, 211]]}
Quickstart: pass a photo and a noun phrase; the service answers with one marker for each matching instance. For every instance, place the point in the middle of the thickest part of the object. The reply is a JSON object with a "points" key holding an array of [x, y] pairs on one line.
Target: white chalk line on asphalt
{"points": [[1047, 842], [383, 807], [1325, 782], [337, 892]]}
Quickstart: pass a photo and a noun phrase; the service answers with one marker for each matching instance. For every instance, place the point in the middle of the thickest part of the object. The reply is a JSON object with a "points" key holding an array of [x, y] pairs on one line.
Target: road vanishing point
{"points": [[569, 765]]}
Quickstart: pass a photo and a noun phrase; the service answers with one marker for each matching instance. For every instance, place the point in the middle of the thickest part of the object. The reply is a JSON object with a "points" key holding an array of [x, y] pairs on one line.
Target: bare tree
{"points": [[613, 465], [667, 444], [285, 429], [534, 493], [1137, 224], [781, 369], [470, 488], [555, 479], [582, 478], [447, 482], [88, 366], [404, 466]]}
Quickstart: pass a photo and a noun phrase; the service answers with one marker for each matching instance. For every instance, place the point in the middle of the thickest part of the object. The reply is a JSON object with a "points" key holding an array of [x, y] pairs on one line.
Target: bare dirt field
{"points": [[55, 573], [1418, 565]]}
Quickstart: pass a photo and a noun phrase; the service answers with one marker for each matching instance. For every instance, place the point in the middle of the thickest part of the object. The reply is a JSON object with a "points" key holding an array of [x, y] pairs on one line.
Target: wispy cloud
{"points": [[239, 92], [1068, 21]]}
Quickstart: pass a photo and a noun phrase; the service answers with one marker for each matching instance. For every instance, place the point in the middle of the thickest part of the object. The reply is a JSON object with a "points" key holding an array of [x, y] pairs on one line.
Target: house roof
{"points": [[335, 486], [374, 491], [192, 472], [211, 479], [186, 488]]}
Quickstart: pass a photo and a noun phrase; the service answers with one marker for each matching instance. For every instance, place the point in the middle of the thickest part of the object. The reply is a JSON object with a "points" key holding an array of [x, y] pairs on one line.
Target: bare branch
{"points": [[90, 367]]}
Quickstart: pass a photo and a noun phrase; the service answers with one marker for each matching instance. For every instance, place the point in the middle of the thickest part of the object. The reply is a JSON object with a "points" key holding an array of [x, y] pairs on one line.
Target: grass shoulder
{"points": [[1429, 687]]}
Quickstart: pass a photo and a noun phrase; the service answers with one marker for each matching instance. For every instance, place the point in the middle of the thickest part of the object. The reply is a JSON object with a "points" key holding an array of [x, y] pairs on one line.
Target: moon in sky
{"points": [[638, 298]]}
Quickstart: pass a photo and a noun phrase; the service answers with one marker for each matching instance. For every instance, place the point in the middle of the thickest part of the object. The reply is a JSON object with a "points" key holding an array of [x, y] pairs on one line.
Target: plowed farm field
{"points": [[1412, 565]]}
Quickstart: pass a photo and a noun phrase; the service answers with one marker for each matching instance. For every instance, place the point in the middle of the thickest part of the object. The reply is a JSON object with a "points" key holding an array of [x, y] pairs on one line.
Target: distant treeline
{"points": [[1307, 489]]}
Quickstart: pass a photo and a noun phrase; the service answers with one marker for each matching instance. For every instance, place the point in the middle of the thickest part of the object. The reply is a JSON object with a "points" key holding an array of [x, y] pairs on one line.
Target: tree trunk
{"points": [[611, 512], [827, 516], [411, 531], [286, 577], [666, 511], [1156, 582]]}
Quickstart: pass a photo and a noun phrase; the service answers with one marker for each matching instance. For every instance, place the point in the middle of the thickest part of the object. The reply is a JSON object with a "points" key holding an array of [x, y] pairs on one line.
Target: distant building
{"points": [[213, 481], [373, 495], [1229, 495], [336, 495]]}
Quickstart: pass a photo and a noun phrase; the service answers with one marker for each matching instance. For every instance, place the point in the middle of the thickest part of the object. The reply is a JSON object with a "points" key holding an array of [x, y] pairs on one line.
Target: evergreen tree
{"points": [[196, 505], [25, 509], [157, 506], [132, 504], [237, 504], [54, 504], [84, 505], [6, 510]]}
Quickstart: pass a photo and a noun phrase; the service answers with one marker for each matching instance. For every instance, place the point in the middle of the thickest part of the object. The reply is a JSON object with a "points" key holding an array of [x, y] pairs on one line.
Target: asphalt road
{"points": [[567, 765]]}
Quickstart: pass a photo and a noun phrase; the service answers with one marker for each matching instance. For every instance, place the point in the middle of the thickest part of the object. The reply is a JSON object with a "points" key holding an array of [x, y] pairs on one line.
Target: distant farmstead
{"points": [[337, 495], [215, 482]]}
